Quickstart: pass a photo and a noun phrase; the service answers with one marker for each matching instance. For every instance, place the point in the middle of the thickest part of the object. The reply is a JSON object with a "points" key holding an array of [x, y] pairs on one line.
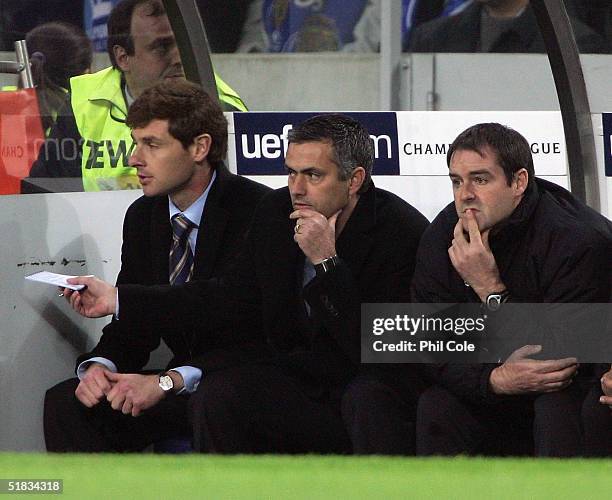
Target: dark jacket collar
{"points": [[521, 215], [363, 218]]}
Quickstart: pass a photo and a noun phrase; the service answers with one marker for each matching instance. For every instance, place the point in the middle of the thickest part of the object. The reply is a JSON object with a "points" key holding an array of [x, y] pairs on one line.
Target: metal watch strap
{"points": [[326, 265]]}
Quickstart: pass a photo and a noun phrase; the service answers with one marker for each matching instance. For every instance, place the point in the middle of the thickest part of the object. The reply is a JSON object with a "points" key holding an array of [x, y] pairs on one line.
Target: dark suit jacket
{"points": [[461, 33], [147, 234], [377, 250]]}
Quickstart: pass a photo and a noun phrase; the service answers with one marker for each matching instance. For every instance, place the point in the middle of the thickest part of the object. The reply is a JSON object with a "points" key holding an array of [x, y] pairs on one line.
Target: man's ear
{"points": [[201, 145], [356, 180], [121, 57], [520, 181]]}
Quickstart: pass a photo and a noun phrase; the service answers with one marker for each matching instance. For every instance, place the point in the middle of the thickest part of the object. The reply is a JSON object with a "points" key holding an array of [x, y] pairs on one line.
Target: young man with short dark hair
{"points": [[190, 224]]}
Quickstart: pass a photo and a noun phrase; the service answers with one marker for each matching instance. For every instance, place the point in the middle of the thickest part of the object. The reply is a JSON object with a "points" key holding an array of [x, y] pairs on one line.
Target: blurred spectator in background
{"points": [[316, 25], [414, 12], [300, 26], [58, 51], [17, 17], [495, 26]]}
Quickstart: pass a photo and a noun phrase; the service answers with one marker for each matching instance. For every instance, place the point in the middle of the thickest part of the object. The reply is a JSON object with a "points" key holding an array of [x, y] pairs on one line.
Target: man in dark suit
{"points": [[495, 26], [181, 141], [316, 251]]}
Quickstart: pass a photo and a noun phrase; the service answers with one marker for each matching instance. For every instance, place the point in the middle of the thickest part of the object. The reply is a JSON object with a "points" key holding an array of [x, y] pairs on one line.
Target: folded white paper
{"points": [[55, 279]]}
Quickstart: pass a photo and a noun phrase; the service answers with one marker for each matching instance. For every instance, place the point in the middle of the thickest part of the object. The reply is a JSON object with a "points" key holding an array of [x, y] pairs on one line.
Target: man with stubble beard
{"points": [[508, 237]]}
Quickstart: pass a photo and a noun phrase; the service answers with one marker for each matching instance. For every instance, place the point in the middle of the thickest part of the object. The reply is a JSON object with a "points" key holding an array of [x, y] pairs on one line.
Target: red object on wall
{"points": [[21, 136]]}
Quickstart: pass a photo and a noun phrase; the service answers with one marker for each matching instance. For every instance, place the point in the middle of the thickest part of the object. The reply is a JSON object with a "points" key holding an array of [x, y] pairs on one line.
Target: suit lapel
{"points": [[289, 257], [161, 236], [212, 227], [286, 264], [356, 239]]}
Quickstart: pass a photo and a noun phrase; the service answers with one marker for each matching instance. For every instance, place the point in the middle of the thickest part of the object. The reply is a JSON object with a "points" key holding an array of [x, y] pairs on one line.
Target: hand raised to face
{"points": [[315, 234], [473, 259]]}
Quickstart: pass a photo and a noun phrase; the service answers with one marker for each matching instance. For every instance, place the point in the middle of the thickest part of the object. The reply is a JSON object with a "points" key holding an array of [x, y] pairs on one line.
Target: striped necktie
{"points": [[181, 256]]}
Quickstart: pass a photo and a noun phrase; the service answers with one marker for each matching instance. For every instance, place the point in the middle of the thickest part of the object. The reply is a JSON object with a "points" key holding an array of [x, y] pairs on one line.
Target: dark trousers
{"points": [[72, 427], [263, 409], [545, 425], [380, 416], [597, 422]]}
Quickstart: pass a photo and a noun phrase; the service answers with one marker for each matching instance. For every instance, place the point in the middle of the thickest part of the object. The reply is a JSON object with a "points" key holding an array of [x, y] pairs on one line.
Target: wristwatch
{"points": [[496, 299], [327, 265], [165, 382]]}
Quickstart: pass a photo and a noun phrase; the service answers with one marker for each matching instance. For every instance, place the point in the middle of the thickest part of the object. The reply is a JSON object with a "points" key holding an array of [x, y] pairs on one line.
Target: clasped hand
{"points": [[130, 393]]}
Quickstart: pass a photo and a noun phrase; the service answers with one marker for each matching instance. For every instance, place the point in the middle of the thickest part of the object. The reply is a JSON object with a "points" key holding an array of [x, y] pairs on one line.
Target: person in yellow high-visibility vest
{"points": [[90, 138]]}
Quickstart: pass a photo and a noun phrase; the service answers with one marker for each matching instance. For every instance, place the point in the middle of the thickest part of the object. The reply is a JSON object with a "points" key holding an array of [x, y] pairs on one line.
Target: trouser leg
{"points": [[446, 425], [597, 425], [68, 425], [259, 409], [557, 427], [379, 419]]}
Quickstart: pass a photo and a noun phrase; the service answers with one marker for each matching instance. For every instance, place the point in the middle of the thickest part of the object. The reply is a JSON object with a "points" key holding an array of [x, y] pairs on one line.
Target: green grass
{"points": [[192, 476]]}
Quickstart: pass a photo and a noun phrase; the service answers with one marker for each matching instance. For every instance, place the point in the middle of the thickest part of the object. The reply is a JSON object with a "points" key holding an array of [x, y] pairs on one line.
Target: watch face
{"points": [[165, 382], [494, 302]]}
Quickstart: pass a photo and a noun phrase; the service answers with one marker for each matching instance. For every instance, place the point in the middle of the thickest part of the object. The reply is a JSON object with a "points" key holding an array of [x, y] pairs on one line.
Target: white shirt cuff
{"points": [[191, 378], [82, 368]]}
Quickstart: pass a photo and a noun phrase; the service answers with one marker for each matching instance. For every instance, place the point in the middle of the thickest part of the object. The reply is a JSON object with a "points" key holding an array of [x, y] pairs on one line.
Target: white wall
{"points": [[74, 233]]}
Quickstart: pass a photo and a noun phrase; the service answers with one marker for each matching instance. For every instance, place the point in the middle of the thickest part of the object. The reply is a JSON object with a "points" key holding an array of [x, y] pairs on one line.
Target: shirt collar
{"points": [[196, 209], [129, 99]]}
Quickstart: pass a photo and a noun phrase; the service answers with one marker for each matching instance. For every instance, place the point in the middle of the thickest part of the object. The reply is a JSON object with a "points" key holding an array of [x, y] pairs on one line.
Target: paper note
{"points": [[54, 279]]}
